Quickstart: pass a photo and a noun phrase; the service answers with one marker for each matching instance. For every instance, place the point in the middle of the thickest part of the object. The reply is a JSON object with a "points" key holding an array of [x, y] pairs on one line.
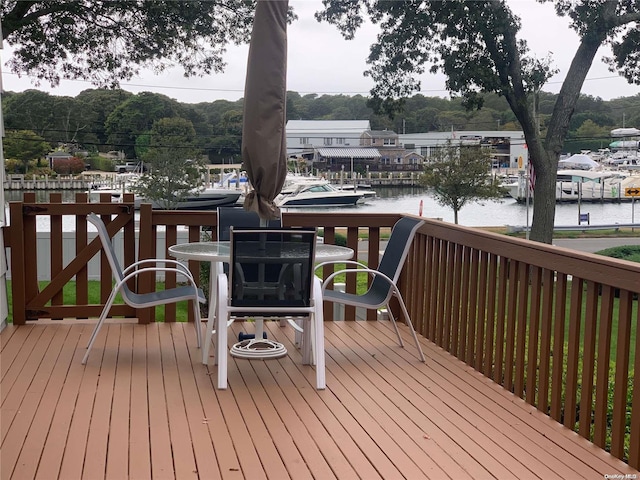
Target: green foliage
{"points": [[97, 162], [625, 252], [105, 42], [460, 175], [173, 163], [24, 146], [11, 165], [136, 116], [215, 123]]}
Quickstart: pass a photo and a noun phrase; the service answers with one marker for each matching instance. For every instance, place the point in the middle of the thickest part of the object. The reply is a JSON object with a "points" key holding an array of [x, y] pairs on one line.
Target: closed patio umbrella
{"points": [[263, 130]]}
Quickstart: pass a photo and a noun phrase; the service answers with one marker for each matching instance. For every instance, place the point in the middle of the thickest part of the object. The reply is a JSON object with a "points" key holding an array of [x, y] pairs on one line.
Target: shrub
{"points": [[11, 165], [624, 252], [69, 166]]}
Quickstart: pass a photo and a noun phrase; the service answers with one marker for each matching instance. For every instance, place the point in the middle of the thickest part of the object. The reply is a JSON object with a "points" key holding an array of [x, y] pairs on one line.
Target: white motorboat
{"points": [[319, 193], [585, 185], [590, 185]]}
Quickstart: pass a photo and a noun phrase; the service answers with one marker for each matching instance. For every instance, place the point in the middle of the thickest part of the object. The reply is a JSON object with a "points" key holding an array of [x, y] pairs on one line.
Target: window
{"points": [[304, 140], [328, 141], [340, 141], [389, 141]]}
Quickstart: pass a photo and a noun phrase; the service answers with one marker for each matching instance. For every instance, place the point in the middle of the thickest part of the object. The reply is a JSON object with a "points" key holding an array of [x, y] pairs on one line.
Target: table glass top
{"points": [[219, 251]]}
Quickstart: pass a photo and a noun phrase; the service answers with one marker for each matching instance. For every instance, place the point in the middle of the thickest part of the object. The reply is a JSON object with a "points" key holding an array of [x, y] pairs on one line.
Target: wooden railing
{"points": [[556, 327], [553, 326]]}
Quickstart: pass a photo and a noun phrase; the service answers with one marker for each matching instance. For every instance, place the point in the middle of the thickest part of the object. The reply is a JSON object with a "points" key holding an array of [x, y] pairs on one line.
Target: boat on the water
{"points": [[202, 199], [584, 185], [206, 199], [319, 193]]}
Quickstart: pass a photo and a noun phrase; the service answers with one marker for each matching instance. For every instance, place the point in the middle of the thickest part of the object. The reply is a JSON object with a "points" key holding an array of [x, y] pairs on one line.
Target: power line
{"points": [[304, 92]]}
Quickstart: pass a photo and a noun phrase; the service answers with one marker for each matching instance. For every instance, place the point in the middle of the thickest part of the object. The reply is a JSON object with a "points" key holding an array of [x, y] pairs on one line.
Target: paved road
{"points": [[595, 244]]}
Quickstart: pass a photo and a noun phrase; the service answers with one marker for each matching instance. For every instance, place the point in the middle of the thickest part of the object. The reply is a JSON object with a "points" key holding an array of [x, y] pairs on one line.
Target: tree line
{"points": [[100, 120]]}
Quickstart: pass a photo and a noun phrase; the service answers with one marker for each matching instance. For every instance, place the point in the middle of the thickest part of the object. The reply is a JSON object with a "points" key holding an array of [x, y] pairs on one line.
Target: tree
{"points": [[486, 55], [108, 41], [460, 175], [173, 164], [24, 145], [30, 110], [135, 116], [96, 106]]}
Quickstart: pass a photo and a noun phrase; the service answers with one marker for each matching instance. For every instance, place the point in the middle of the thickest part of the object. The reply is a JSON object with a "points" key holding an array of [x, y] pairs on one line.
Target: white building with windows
{"points": [[509, 148], [303, 136]]}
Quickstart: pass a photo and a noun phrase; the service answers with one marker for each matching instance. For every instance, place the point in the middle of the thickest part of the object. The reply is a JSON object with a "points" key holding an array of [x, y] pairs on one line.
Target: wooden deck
{"points": [[145, 407]]}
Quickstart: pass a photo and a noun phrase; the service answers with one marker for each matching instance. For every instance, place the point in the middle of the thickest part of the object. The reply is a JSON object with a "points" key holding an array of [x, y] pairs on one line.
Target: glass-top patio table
{"points": [[218, 253]]}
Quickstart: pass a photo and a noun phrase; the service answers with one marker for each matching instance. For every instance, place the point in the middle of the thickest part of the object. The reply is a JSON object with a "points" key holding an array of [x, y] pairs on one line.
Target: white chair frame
{"points": [[137, 300]]}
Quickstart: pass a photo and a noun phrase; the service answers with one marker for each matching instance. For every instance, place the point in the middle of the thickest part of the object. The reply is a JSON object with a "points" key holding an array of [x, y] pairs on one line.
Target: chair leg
{"points": [[221, 334], [317, 324], [306, 341], [395, 325], [208, 333], [96, 329], [410, 325], [197, 322]]}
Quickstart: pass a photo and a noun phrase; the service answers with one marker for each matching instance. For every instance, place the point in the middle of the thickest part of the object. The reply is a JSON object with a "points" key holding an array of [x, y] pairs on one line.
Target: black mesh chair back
{"points": [[240, 218], [271, 267]]}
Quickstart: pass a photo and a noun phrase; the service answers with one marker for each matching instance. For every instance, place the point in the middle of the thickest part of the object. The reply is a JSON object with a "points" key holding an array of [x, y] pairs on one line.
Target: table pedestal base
{"points": [[258, 349]]}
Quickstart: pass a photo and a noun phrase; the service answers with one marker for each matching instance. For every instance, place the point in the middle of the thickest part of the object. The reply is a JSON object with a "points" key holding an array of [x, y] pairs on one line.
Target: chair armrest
{"points": [[370, 271], [135, 273], [155, 261], [340, 262]]}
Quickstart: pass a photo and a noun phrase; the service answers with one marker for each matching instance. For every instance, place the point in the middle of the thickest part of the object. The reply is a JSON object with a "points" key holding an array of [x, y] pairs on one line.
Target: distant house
{"points": [[303, 136], [393, 155], [379, 138], [335, 145], [350, 158], [508, 148]]}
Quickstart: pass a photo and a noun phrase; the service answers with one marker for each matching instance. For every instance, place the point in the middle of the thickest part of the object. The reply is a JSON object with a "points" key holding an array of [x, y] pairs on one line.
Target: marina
{"points": [[506, 212]]}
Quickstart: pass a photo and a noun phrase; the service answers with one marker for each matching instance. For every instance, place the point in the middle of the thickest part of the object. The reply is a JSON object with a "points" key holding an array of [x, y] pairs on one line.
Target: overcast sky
{"points": [[321, 61]]}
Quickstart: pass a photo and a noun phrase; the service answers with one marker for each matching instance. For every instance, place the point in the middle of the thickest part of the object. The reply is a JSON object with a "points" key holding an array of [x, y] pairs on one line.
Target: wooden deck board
{"points": [[144, 407]]}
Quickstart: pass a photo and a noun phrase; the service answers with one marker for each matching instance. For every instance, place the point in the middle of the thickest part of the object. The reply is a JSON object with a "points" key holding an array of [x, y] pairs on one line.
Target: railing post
{"points": [[146, 250], [16, 242]]}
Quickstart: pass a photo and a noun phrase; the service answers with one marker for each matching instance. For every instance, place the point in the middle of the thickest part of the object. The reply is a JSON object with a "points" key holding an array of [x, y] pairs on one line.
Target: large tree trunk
{"points": [[545, 155], [544, 200]]}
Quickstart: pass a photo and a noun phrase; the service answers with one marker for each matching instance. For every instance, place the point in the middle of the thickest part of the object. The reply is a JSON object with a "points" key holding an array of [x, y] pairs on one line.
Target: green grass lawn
{"points": [[69, 298]]}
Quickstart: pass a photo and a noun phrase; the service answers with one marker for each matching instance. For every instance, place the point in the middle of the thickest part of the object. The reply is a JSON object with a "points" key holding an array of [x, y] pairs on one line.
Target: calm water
{"points": [[506, 212]]}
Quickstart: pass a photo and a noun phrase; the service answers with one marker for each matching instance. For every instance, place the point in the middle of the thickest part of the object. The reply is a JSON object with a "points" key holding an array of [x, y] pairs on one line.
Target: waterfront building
{"points": [[509, 148]]}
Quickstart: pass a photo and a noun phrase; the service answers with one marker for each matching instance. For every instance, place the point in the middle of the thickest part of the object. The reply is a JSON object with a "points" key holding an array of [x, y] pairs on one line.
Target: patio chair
{"points": [[296, 293], [236, 217], [384, 284], [143, 300]]}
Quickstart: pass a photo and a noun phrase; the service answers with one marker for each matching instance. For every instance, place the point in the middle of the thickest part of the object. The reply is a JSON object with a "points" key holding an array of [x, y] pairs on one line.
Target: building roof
{"points": [[349, 152], [59, 154], [382, 133]]}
